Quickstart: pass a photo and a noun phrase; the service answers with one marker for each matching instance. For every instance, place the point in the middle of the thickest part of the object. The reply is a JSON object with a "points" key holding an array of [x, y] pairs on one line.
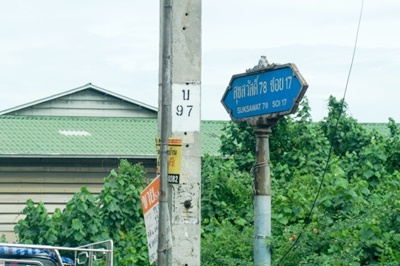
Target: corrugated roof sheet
{"points": [[382, 128], [92, 137], [27, 136]]}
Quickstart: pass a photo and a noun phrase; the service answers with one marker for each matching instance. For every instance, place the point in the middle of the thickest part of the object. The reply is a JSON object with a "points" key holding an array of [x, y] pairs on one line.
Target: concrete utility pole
{"points": [[181, 103]]}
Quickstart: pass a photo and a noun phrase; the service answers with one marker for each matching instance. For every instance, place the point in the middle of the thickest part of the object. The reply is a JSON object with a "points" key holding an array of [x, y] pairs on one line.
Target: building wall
{"points": [[52, 181]]}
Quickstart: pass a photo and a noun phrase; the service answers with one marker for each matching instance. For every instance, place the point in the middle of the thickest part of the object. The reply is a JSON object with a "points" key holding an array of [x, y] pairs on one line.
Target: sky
{"points": [[51, 46]]}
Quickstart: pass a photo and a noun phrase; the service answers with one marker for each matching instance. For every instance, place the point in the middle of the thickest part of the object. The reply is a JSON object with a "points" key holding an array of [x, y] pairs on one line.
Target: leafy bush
{"points": [[345, 211], [37, 227], [3, 239], [115, 213], [355, 218]]}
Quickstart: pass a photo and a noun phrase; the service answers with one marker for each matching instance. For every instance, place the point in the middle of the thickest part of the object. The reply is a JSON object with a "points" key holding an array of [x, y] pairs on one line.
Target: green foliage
{"points": [[120, 198], [290, 133], [80, 222], [393, 147], [121, 213], [227, 213], [228, 244], [238, 141], [115, 213], [355, 219], [227, 192], [37, 227], [3, 239], [343, 132]]}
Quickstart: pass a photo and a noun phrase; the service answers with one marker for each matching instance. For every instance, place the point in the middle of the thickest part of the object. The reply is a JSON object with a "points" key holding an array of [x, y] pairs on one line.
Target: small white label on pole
{"points": [[185, 107]]}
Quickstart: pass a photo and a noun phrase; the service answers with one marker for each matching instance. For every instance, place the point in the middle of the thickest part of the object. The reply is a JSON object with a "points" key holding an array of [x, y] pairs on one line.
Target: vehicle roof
{"points": [[32, 252]]}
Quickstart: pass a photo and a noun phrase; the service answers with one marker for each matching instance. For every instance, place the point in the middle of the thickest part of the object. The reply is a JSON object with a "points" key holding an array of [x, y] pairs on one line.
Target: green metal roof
{"points": [[381, 128], [210, 136], [92, 137]]}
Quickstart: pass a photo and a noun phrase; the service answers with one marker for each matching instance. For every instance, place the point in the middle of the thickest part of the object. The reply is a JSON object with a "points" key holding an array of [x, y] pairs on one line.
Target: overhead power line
{"points": [[307, 219]]}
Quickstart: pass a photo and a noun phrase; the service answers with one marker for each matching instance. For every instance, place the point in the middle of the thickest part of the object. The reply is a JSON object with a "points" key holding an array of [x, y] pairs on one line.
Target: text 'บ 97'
{"points": [[272, 90]]}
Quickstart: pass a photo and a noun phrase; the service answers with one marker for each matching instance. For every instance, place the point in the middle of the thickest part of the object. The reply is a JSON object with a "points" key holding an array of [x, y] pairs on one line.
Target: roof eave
{"points": [[84, 87], [85, 156]]}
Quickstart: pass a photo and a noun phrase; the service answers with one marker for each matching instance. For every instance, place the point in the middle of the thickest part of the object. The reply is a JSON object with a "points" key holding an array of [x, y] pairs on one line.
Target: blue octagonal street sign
{"points": [[273, 91]]}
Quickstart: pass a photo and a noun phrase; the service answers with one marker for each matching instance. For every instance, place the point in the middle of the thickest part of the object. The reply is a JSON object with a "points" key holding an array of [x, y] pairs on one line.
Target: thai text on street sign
{"points": [[174, 159], [275, 90]]}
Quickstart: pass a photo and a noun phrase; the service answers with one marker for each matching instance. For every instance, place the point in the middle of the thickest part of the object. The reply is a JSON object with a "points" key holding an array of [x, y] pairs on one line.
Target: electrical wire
{"points": [[307, 219]]}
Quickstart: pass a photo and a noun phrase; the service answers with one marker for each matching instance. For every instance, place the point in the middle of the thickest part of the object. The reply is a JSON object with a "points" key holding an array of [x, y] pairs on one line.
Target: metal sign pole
{"points": [[262, 197], [260, 97], [163, 251]]}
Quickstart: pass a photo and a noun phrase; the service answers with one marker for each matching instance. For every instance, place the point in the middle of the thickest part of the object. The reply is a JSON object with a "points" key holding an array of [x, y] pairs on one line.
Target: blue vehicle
{"points": [[40, 255]]}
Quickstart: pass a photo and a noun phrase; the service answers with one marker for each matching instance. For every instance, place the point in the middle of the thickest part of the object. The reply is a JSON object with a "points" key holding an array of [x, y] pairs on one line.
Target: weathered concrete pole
{"points": [[181, 28], [262, 197]]}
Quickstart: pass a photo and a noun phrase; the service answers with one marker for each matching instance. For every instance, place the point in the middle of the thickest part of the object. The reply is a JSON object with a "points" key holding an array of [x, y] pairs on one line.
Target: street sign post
{"points": [[261, 97], [273, 91]]}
